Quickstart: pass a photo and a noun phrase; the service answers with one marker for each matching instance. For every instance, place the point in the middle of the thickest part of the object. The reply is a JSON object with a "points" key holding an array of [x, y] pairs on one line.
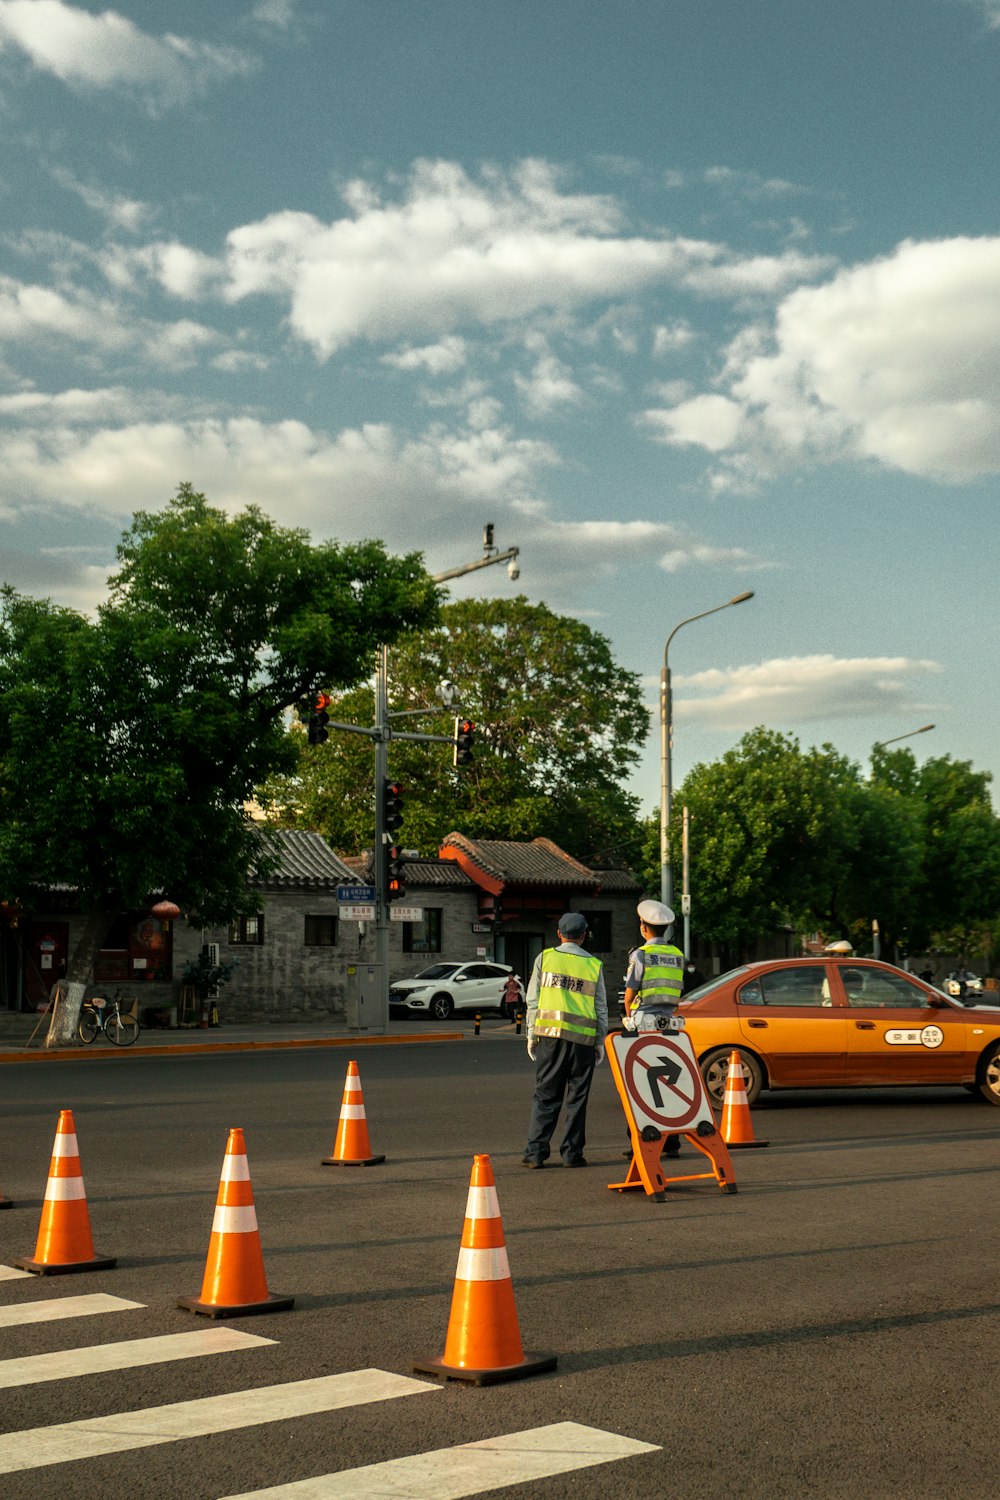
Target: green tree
{"points": [[786, 836], [129, 744], [960, 888], [559, 725]]}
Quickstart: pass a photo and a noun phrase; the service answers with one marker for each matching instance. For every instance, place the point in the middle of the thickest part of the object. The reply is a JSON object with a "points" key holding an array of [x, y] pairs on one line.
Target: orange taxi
{"points": [[839, 1023]]}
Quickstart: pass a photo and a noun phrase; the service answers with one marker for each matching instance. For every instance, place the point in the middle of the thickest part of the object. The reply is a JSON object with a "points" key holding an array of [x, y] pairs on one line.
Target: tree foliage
{"points": [[558, 727], [786, 836], [130, 743]]}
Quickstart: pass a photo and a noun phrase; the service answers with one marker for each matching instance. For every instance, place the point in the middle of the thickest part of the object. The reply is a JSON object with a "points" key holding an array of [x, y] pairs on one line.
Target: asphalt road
{"points": [[830, 1330]]}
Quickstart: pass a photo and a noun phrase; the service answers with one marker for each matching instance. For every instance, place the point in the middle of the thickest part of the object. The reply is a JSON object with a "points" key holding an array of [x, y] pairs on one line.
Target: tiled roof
{"points": [[540, 862], [618, 880], [306, 860], [436, 872]]}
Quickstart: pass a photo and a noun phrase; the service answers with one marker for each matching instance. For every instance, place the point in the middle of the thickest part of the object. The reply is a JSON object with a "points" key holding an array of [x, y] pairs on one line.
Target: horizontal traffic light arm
{"points": [[442, 739]]}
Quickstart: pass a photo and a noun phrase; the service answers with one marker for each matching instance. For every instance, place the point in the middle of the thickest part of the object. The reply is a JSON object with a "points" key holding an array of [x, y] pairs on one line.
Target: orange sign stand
{"points": [[662, 1093]]}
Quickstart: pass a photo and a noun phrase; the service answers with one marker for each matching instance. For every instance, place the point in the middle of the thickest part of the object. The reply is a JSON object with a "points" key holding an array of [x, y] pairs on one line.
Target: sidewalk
{"points": [[237, 1037]]}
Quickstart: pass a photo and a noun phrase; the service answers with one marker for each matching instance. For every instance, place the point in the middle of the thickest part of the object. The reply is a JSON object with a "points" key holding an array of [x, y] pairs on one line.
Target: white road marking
{"points": [[11, 1273], [471, 1468], [35, 1448], [32, 1369], [62, 1307]]}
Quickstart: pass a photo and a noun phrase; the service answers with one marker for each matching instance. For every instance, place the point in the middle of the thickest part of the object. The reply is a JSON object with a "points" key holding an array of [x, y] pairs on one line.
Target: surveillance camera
{"points": [[446, 691], [513, 571]]}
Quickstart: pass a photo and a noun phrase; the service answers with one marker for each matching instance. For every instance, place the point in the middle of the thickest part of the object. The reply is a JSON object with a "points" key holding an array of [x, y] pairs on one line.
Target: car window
{"points": [[880, 988], [481, 971], [714, 984], [797, 986], [437, 971]]}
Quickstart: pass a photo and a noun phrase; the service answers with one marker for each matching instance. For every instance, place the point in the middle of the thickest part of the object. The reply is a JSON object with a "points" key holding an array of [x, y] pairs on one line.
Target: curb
{"points": [[186, 1049]]}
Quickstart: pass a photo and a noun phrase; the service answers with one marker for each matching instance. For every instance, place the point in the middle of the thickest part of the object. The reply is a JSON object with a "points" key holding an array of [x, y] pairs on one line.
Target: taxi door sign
{"points": [[662, 1093]]}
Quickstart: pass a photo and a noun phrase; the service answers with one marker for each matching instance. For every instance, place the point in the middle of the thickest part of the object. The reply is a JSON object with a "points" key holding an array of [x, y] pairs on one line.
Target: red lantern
{"points": [[165, 911]]}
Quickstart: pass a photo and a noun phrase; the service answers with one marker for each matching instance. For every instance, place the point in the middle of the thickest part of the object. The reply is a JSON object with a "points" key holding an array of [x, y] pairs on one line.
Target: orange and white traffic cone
{"points": [[234, 1284], [483, 1345], [737, 1126], [352, 1148], [64, 1242]]}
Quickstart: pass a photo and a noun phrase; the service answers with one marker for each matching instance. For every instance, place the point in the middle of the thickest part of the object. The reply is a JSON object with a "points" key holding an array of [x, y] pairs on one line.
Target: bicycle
{"points": [[98, 1014]]}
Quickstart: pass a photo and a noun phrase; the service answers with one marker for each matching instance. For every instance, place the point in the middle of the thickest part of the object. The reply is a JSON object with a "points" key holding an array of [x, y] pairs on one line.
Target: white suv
{"points": [[447, 987]]}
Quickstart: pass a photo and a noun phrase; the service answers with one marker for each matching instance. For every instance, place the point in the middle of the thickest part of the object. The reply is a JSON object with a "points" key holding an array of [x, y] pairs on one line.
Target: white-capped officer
{"points": [[656, 972]]}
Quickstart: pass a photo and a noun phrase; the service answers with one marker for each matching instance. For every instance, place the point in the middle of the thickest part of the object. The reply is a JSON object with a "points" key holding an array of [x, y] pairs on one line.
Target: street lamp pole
{"points": [[666, 748], [881, 744]]}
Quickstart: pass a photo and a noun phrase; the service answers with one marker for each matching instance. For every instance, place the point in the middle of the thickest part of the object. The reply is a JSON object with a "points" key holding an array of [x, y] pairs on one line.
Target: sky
{"points": [[686, 297]]}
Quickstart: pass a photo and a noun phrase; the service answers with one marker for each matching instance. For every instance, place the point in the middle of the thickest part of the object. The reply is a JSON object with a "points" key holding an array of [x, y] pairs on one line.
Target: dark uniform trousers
{"points": [[563, 1071]]}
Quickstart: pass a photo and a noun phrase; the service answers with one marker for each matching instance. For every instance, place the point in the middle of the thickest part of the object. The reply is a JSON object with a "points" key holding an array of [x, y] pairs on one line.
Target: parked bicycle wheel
{"points": [[89, 1025], [122, 1030]]}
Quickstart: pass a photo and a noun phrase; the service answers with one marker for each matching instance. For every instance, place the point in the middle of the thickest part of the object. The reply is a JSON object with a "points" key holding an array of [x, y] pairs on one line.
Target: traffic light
{"points": [[392, 806], [394, 888], [319, 719], [464, 731]]}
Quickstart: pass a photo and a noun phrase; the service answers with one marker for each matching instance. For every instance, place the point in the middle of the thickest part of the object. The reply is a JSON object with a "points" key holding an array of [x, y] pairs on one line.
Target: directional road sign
{"points": [[359, 911], [349, 893], [662, 1081]]}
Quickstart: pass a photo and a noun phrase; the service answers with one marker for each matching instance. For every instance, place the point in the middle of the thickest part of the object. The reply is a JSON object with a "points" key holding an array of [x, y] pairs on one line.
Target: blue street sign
{"points": [[352, 894]]}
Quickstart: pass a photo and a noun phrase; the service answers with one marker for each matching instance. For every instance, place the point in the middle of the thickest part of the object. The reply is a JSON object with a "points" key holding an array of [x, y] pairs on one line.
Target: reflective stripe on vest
{"points": [[663, 977], [567, 989]]}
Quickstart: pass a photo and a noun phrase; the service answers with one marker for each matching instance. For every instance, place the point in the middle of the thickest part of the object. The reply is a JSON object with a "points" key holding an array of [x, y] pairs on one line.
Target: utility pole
{"points": [[381, 733]]}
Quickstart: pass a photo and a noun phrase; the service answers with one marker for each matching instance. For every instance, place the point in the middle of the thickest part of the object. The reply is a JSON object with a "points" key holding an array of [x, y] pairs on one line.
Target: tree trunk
{"points": [[79, 973]]}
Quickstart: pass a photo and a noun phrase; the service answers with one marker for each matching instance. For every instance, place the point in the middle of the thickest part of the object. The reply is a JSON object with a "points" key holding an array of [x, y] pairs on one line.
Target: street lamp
{"points": [[666, 747], [881, 744]]}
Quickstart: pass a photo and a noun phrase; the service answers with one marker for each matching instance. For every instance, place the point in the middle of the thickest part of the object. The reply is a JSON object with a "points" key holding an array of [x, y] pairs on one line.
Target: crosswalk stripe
{"points": [[63, 1307], [35, 1448], [469, 1469], [32, 1369], [11, 1273]]}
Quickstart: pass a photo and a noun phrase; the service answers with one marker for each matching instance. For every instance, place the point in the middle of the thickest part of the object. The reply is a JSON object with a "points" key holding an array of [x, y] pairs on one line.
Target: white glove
{"points": [[531, 1048], [628, 1024]]}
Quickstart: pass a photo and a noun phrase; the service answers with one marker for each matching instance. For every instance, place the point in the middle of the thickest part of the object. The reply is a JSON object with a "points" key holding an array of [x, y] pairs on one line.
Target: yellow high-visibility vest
{"points": [[567, 1006]]}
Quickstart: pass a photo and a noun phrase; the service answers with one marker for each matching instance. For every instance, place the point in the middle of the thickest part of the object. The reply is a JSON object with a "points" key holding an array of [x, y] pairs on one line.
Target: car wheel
{"points": [[442, 1007], [988, 1074], [715, 1070]]}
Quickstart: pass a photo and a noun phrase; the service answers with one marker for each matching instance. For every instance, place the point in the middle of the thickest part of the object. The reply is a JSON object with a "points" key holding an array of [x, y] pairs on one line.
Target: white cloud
{"points": [[442, 358], [128, 214], [897, 360], [549, 386], [108, 51], [427, 492], [669, 337], [452, 251], [42, 317], [711, 422], [801, 689]]}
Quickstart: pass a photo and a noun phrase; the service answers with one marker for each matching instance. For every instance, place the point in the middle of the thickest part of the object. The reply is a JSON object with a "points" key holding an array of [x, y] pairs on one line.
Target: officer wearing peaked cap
{"points": [[656, 972]]}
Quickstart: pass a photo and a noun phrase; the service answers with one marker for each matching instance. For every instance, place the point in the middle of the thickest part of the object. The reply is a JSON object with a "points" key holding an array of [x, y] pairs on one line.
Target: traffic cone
{"points": [[352, 1148], [483, 1345], [64, 1243], [234, 1283], [737, 1126]]}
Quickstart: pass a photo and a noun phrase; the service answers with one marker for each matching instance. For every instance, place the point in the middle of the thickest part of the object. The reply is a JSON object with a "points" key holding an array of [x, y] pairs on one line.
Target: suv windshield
{"points": [[437, 971]]}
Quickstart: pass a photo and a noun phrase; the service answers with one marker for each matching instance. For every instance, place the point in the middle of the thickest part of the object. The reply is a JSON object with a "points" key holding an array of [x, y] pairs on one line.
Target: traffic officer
{"points": [[567, 1020], [656, 972]]}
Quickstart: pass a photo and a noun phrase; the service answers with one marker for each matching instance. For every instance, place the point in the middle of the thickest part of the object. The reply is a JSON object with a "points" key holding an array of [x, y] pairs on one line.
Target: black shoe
{"points": [[580, 1161], [527, 1161], [671, 1151]]}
